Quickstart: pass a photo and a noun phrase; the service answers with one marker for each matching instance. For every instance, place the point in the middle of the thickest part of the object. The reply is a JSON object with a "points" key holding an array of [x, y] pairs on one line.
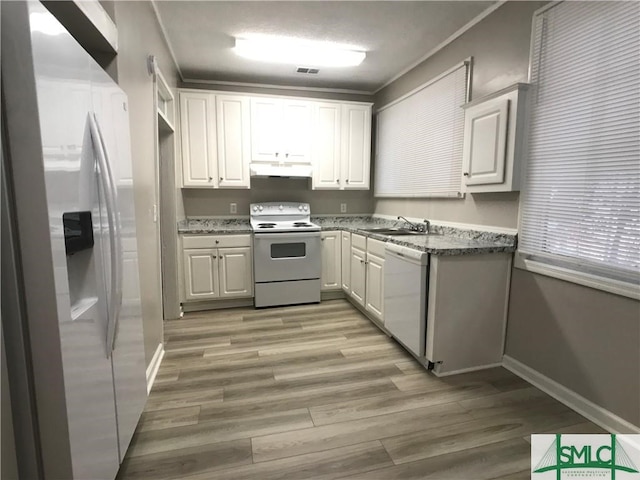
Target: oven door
{"points": [[279, 257]]}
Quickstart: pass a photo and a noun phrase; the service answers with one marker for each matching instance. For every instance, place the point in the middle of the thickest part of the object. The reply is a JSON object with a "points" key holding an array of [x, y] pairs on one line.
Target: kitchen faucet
{"points": [[416, 227]]}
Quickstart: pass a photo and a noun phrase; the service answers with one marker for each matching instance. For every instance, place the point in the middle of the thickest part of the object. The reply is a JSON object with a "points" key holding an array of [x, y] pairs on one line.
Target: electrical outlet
{"points": [[343, 208], [233, 208]]}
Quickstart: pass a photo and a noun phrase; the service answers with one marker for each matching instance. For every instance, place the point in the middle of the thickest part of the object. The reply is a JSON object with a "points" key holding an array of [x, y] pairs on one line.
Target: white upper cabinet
{"points": [[266, 116], [222, 134], [214, 131], [233, 141], [297, 127], [494, 141], [356, 146], [326, 149], [280, 130], [197, 127], [341, 146]]}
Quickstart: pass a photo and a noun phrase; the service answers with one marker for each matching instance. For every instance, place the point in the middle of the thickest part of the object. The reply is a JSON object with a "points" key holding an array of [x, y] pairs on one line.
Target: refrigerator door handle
{"points": [[106, 179]]}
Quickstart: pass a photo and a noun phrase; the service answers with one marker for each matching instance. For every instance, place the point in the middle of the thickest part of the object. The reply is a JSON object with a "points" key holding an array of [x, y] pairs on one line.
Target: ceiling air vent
{"points": [[311, 71]]}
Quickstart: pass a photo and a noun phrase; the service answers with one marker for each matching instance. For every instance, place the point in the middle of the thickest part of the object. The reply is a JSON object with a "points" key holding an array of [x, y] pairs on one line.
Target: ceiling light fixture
{"points": [[297, 52]]}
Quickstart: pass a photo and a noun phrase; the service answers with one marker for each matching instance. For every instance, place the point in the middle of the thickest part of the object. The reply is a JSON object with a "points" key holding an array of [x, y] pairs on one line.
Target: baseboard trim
{"points": [[332, 295], [199, 306], [597, 414], [465, 370], [154, 365]]}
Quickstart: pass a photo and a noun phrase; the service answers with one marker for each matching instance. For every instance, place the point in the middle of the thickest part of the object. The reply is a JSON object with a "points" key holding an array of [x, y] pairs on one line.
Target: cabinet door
{"points": [[356, 146], [201, 273], [485, 142], [236, 279], [345, 248], [233, 128], [331, 261], [198, 139], [326, 147], [375, 286], [266, 124], [358, 275], [296, 131]]}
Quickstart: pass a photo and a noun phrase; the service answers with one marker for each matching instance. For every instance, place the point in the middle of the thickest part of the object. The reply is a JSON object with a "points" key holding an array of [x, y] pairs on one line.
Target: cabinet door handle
{"points": [[277, 154], [466, 174], [213, 256], [347, 180], [286, 155], [217, 241], [210, 178], [221, 179]]}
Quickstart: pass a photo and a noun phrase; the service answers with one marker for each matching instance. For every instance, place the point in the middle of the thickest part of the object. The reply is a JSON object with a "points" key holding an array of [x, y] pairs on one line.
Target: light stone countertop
{"points": [[440, 241]]}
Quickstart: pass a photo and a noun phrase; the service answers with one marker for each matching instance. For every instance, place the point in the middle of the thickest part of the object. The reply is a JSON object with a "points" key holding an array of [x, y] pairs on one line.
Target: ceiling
{"points": [[395, 35]]}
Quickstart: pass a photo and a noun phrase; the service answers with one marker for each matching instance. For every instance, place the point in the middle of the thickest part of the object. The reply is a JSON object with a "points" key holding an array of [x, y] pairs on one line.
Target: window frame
{"points": [[460, 194], [571, 269]]}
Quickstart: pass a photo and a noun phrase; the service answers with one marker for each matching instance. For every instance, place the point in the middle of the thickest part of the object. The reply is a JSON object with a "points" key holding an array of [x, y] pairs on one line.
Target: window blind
{"points": [[419, 140], [581, 198]]}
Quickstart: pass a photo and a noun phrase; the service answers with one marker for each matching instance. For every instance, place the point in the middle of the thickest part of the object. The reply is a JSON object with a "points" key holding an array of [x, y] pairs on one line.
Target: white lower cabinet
{"points": [[217, 267], [200, 270], [234, 266], [331, 276], [358, 275], [375, 281], [366, 274], [345, 247]]}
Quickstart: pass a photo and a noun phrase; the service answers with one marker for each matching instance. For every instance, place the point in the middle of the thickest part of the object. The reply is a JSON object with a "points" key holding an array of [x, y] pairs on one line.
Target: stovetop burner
{"points": [[272, 217]]}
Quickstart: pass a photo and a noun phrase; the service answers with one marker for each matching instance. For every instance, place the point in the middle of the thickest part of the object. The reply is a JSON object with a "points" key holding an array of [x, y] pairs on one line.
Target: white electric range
{"points": [[286, 254]]}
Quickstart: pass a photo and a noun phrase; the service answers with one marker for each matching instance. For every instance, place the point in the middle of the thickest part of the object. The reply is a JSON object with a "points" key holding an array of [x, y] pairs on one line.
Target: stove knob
{"points": [[255, 208], [306, 208], [281, 207], [300, 207], [260, 208]]}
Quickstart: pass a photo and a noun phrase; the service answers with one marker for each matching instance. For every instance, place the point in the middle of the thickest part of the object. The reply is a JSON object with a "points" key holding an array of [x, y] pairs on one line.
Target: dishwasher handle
{"points": [[407, 254]]}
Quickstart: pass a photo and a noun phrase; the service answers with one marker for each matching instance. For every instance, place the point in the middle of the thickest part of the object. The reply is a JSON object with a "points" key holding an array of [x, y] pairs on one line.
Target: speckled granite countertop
{"points": [[441, 240]]}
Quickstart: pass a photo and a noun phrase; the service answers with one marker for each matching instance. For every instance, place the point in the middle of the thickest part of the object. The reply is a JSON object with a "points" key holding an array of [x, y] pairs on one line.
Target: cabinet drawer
{"points": [[215, 241], [376, 247], [358, 241]]}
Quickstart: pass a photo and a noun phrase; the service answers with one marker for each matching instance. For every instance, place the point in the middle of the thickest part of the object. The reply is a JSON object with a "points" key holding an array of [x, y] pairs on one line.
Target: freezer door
{"points": [[129, 367], [63, 85]]}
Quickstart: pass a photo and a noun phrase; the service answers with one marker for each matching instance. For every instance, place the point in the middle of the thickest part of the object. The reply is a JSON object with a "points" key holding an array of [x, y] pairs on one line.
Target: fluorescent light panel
{"points": [[297, 52]]}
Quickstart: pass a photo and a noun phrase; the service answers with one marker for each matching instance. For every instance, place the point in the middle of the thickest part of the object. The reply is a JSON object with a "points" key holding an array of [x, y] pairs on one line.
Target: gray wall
{"points": [[139, 36], [499, 45], [585, 339], [200, 202]]}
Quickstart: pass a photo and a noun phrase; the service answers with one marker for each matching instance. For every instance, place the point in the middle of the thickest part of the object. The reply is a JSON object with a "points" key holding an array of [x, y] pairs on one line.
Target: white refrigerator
{"points": [[75, 346]]}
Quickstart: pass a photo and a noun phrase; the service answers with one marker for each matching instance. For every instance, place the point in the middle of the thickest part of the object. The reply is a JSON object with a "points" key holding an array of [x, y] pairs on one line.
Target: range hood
{"points": [[280, 170]]}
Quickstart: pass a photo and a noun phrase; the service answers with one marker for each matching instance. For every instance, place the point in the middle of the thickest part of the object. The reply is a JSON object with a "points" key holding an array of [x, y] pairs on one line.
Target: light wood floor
{"points": [[319, 392]]}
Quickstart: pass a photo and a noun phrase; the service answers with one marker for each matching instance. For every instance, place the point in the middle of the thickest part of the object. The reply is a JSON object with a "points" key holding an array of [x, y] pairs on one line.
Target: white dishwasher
{"points": [[405, 296]]}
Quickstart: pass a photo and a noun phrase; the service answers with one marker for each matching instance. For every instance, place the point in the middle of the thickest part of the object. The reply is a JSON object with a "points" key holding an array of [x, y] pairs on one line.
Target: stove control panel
{"points": [[277, 208]]}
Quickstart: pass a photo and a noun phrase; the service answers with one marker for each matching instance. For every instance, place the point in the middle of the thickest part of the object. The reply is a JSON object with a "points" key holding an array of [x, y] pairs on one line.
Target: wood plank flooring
{"points": [[318, 392]]}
